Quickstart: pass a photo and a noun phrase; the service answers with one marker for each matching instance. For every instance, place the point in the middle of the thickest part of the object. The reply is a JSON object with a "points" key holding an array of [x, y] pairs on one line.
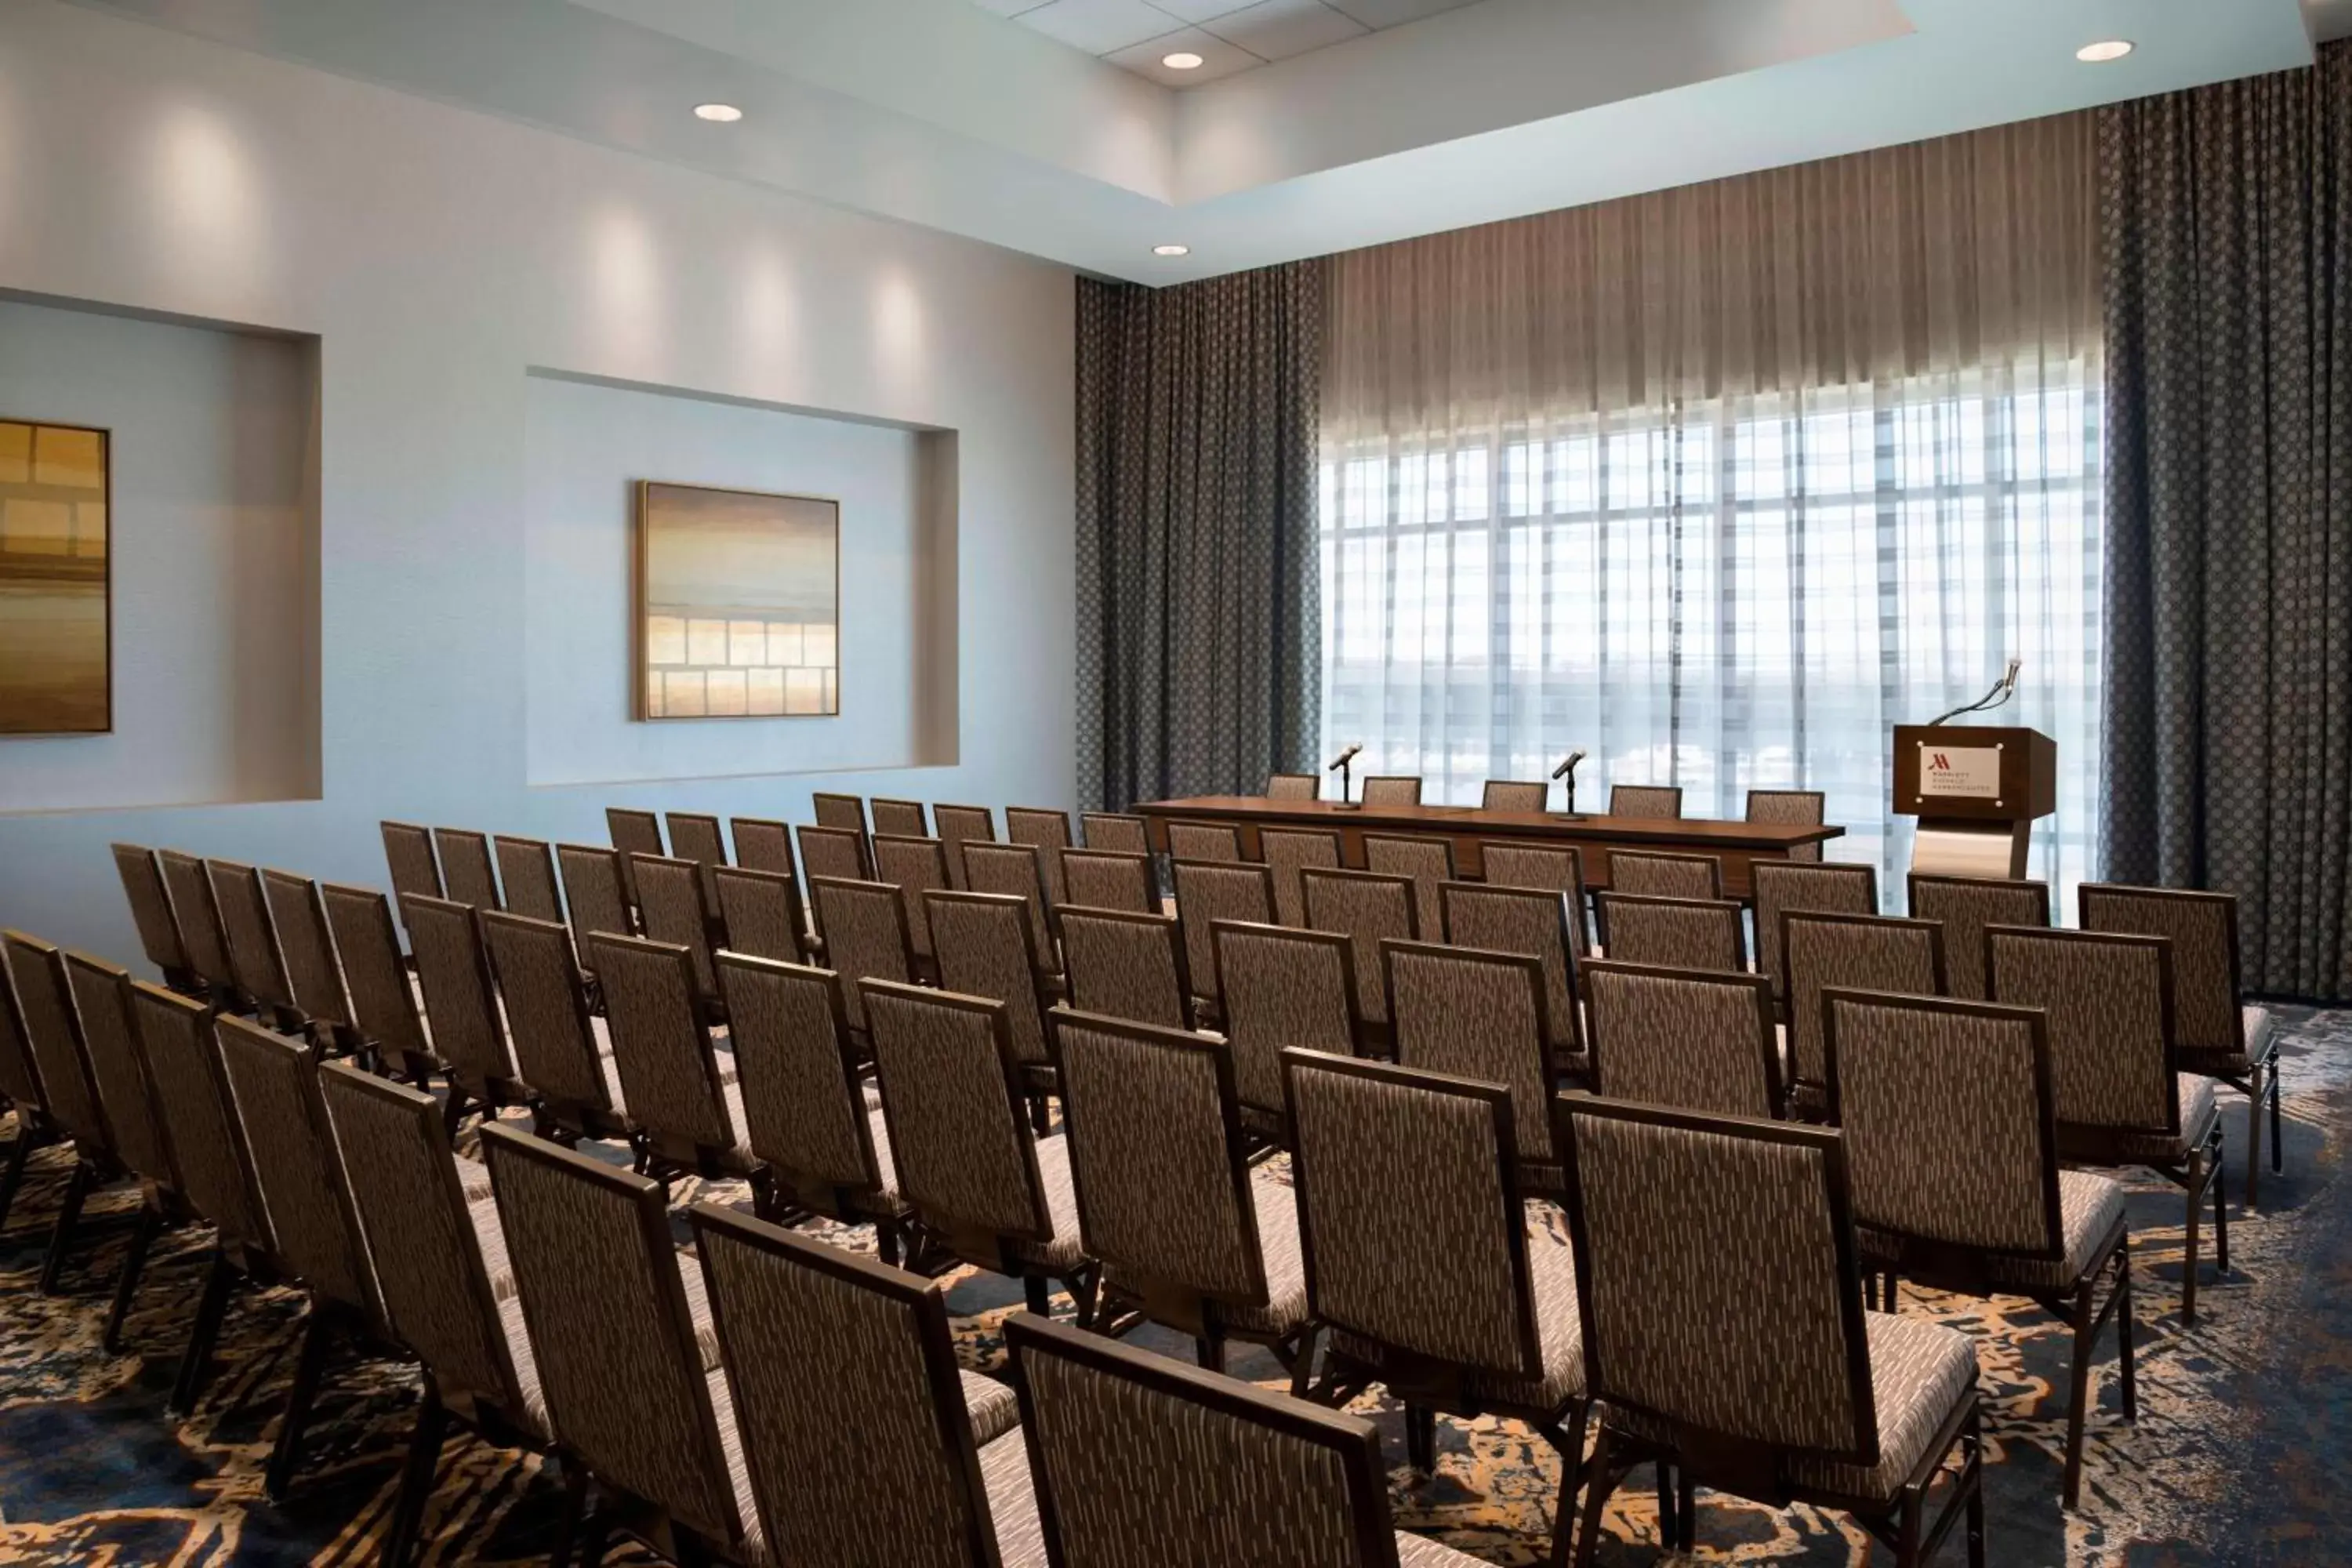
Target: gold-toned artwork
{"points": [[739, 604], [55, 650]]}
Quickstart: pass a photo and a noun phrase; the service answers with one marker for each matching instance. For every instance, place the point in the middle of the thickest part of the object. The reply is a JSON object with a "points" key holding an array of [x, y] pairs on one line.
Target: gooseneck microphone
{"points": [[1344, 758], [2002, 690], [1569, 766]]}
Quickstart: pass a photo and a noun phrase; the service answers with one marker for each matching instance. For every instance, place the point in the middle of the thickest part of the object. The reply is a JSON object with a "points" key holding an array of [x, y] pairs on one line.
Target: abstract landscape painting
{"points": [[739, 604], [55, 649]]}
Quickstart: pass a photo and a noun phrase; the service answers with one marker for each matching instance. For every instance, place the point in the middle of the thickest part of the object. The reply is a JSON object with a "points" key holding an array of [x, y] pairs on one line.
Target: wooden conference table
{"points": [[1736, 844]]}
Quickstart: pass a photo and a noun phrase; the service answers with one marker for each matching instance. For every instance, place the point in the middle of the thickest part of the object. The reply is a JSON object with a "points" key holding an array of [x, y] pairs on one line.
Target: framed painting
{"points": [[739, 604], [57, 649]]}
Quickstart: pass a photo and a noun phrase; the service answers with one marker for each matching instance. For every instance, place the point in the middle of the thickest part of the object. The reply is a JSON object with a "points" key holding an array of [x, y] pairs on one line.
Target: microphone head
{"points": [[2009, 680]]}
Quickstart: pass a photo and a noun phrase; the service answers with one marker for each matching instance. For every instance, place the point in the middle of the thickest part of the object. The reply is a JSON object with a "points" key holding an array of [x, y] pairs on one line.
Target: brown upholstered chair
{"points": [[314, 971], [1293, 786], [1448, 1288], [915, 867], [1514, 795], [560, 1045], [1103, 879], [697, 836], [1527, 921], [527, 873], [596, 891], [465, 868], [150, 912], [958, 825], [2216, 1033], [1388, 789], [1779, 886], [763, 914], [673, 906], [408, 853], [106, 1007], [1854, 952], [1966, 906], [635, 832], [833, 852], [891, 1417], [1203, 841], [1724, 1334], [899, 818], [690, 1115], [253, 953], [1555, 868], [1680, 1038], [384, 1010], [69, 1103], [987, 947], [1427, 860], [844, 812], [1207, 892], [1187, 1234], [1368, 908], [1049, 832], [1017, 869], [1799, 808], [20, 1083], [2122, 1097], [1654, 874], [1288, 851], [1118, 832], [1283, 988], [762, 844], [1478, 1016], [461, 1003], [1656, 801], [867, 922], [206, 939], [1673, 933], [1132, 966], [1951, 1141], [979, 1182]]}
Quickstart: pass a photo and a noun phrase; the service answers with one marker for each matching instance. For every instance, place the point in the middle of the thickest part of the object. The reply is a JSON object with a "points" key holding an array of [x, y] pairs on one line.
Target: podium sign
{"points": [[1977, 792]]}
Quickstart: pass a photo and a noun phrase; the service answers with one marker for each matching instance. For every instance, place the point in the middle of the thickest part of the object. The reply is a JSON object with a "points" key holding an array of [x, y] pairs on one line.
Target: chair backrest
{"points": [[1213, 841], [2109, 1000], [1103, 879], [1115, 832], [844, 812], [671, 905], [1435, 1266], [150, 908], [762, 911], [958, 826], [275, 1085], [314, 972], [1427, 860], [1368, 908], [1950, 1120], [1288, 851], [1673, 933], [899, 818], [1293, 786], [1527, 921], [596, 891], [1127, 967], [253, 953], [103, 1000], [20, 1077], [1514, 795], [383, 1007], [1675, 1037], [1657, 874], [200, 921], [1209, 892], [1388, 789], [1480, 1015], [834, 852], [1016, 869], [1855, 953], [1779, 886], [635, 832], [199, 1119], [986, 946], [1554, 869], [764, 845], [53, 1036], [1801, 807], [697, 836], [408, 855], [610, 1330], [669, 1079], [1050, 832], [1725, 1300], [2202, 927], [548, 1020], [1967, 907], [412, 1211], [465, 870], [915, 867], [803, 1110], [1158, 1163], [866, 936], [460, 1001], [1656, 801], [527, 873], [1139, 1458], [966, 1162], [885, 1420], [1282, 988]]}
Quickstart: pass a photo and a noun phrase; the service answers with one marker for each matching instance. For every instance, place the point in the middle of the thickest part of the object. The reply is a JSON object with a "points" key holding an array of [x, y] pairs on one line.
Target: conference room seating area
{"points": [[1592, 1150]]}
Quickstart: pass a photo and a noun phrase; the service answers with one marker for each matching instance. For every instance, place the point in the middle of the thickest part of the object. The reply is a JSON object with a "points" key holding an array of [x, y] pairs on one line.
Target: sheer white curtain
{"points": [[1723, 483]]}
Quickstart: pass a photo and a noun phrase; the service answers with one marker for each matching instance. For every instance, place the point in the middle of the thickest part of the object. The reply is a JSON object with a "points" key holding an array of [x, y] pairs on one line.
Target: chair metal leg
{"points": [[576, 1513], [1421, 1438], [68, 1216], [1974, 1480], [2220, 1204], [1669, 1517], [195, 1361], [1209, 1350], [2254, 1138], [19, 1153], [1041, 1295], [1587, 1534], [126, 1284], [308, 1369], [2079, 1393], [2278, 1133], [2124, 1329], [1686, 1512], [1906, 1539], [415, 1478], [1302, 1366], [2188, 1255], [886, 1242]]}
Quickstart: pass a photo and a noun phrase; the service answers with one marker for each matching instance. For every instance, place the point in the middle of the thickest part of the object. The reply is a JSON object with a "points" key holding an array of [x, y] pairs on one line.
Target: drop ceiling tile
{"points": [[1099, 26], [1278, 29], [1010, 8], [1200, 10], [1378, 14], [1218, 57]]}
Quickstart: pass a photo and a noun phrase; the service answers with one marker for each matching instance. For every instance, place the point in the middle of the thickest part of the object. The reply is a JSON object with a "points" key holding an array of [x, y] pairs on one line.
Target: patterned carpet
{"points": [[2241, 1453]]}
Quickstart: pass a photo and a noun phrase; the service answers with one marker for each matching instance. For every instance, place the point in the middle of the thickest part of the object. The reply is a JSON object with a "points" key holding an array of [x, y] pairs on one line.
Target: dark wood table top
{"points": [[1697, 832]]}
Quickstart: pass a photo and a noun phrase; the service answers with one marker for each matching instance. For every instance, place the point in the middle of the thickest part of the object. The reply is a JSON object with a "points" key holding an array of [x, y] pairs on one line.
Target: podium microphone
{"points": [[2002, 690]]}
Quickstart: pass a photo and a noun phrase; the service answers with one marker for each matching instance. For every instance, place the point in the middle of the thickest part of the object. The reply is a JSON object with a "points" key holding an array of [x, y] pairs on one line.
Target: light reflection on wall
{"points": [[769, 343], [900, 331], [629, 303], [208, 203]]}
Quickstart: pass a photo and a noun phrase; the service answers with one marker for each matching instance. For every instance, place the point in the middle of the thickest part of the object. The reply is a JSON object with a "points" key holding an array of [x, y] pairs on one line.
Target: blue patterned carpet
{"points": [[2242, 1452]]}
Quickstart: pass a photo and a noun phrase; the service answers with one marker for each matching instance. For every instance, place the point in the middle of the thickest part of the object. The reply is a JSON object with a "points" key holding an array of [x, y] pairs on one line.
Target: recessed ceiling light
{"points": [[2103, 51], [1172, 251], [723, 113], [1181, 61]]}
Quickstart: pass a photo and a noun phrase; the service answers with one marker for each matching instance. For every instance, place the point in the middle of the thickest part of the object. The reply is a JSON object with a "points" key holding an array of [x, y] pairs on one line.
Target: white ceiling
{"points": [[1228, 36], [940, 113]]}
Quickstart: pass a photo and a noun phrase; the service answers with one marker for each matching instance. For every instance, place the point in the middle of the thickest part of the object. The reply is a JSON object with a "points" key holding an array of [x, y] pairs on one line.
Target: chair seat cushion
{"points": [[2199, 1110], [886, 1200], [473, 1178], [1013, 1501], [1919, 1372], [1061, 1253], [1286, 1262], [2090, 1212], [526, 1365], [754, 1544], [1420, 1551], [1551, 1272], [2259, 1033], [992, 1406], [491, 1236]]}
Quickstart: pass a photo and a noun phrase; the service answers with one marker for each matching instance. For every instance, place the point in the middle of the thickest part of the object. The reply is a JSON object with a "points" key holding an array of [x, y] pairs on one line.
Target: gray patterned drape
{"points": [[2228, 230], [1199, 628]]}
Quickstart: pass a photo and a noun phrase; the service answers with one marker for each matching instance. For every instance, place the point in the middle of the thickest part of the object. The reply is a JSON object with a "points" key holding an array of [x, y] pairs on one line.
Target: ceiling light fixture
{"points": [[2102, 52], [718, 113], [1181, 61], [1172, 251]]}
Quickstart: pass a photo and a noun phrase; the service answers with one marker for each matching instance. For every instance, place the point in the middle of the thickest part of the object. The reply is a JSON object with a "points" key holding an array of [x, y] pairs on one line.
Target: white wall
{"points": [[439, 257]]}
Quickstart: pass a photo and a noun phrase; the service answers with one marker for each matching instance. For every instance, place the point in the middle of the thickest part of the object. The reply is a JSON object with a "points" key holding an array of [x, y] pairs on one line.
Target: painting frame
{"points": [[105, 433], [642, 606]]}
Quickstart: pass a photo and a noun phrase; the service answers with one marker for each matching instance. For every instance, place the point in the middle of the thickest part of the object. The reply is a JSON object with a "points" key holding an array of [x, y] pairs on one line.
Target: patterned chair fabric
{"points": [[596, 891], [1675, 1037], [1797, 807], [803, 1109], [383, 1004], [1553, 869], [619, 1364], [556, 1041], [866, 936], [662, 1049], [762, 913], [150, 909], [635, 832], [102, 999], [1428, 861], [460, 1000], [1524, 920], [408, 853], [1207, 892], [762, 844], [833, 852], [958, 826], [1099, 879], [191, 888], [20, 1080], [1049, 832], [1674, 933], [1514, 795], [844, 812], [1127, 967], [1780, 886], [1854, 952], [527, 872], [1369, 909], [1203, 841], [1966, 906], [1654, 875], [1660, 802], [899, 818], [1477, 1016], [465, 870], [1293, 786], [45, 1007], [1288, 851], [1115, 832], [1015, 869], [2209, 1020], [915, 867], [697, 836], [275, 1089], [199, 1120], [671, 907], [253, 953], [2109, 1001], [987, 947], [297, 911], [1390, 790], [1283, 988]]}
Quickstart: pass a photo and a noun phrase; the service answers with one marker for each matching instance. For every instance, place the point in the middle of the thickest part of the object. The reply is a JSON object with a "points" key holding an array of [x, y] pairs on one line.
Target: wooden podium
{"points": [[1976, 791]]}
